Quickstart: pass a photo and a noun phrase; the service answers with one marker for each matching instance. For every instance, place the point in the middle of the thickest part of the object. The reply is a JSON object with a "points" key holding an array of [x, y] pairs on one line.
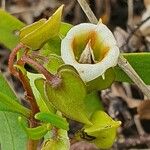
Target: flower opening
{"points": [[91, 49]]}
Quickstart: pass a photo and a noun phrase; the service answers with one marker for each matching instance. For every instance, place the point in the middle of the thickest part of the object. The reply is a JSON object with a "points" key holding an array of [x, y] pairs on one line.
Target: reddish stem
{"points": [[29, 94], [50, 77], [11, 60]]}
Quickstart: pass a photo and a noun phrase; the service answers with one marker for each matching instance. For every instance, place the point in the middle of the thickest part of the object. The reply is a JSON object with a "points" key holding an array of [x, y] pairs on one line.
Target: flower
{"points": [[91, 49]]}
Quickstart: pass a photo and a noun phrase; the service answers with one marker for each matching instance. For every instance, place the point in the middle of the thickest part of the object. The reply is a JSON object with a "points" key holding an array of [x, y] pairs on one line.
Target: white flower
{"points": [[91, 49]]}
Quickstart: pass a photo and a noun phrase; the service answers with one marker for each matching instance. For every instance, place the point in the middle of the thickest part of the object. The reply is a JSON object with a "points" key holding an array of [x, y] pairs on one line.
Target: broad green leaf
{"points": [[28, 29], [8, 104], [93, 103], [100, 83], [54, 44], [53, 119], [141, 64], [61, 142], [68, 96], [38, 91], [54, 62], [12, 137], [103, 130], [66, 66], [35, 133], [38, 37], [8, 26], [64, 28]]}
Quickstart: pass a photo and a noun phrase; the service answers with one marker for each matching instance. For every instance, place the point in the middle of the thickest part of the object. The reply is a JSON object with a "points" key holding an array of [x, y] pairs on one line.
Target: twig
{"points": [[139, 125], [133, 141], [87, 10], [3, 4], [122, 62], [138, 26]]}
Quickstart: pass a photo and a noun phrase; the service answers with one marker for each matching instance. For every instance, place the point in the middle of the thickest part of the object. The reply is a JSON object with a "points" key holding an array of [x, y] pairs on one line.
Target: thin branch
{"points": [[87, 10], [53, 79], [130, 13], [138, 26], [122, 62], [3, 4], [127, 68]]}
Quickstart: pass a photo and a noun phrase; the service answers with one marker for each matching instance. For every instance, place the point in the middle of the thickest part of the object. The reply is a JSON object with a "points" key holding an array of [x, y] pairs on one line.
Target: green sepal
{"points": [[49, 29], [35, 133], [103, 130], [54, 45], [68, 67], [37, 83], [60, 142], [53, 63], [92, 103], [30, 28], [53, 119], [22, 69], [102, 83]]}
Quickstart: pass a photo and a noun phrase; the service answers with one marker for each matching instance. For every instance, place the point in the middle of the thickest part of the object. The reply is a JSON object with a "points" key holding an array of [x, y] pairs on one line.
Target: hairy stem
{"points": [[32, 145], [123, 63], [11, 60], [50, 77]]}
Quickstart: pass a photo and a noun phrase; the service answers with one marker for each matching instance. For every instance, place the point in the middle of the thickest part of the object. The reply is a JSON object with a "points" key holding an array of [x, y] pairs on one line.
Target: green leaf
{"points": [[53, 119], [12, 137], [64, 28], [28, 29], [66, 66], [8, 26], [103, 130], [8, 104], [35, 133], [140, 62], [54, 44], [38, 91], [92, 103], [54, 62], [38, 37], [100, 83], [68, 96], [61, 142]]}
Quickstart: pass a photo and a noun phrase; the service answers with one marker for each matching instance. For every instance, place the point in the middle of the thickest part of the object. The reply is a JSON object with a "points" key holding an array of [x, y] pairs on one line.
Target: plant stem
{"points": [[32, 144], [122, 62], [127, 68], [87, 10], [130, 13], [11, 60], [50, 77], [29, 94]]}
